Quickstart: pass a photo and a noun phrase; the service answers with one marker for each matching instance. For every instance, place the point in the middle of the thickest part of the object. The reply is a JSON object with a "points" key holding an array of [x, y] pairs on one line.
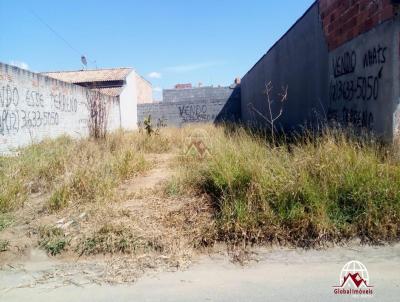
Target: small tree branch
{"points": [[271, 116]]}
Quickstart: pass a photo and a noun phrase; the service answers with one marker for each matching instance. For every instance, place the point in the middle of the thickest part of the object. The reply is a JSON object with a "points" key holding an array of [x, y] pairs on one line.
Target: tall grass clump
{"points": [[317, 189], [70, 170]]}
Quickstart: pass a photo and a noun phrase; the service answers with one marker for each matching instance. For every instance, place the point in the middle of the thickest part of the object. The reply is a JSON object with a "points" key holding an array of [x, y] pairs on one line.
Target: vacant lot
{"points": [[156, 200], [307, 192]]}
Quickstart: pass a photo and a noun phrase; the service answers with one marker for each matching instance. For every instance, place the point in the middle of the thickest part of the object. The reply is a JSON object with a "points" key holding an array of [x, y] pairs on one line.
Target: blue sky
{"points": [[166, 41]]}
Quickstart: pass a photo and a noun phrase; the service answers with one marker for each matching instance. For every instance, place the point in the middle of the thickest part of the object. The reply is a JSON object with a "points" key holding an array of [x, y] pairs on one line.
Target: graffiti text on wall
{"points": [[194, 113], [364, 86], [21, 110], [64, 103], [356, 81]]}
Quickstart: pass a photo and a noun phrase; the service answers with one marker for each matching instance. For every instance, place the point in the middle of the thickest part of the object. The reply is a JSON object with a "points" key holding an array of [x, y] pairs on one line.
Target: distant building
{"points": [[188, 93], [124, 83], [183, 86], [202, 104]]}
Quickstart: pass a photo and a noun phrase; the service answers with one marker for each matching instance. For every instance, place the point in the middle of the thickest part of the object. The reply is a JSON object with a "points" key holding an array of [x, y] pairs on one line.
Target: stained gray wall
{"points": [[355, 84], [193, 111], [198, 94], [363, 81], [298, 61]]}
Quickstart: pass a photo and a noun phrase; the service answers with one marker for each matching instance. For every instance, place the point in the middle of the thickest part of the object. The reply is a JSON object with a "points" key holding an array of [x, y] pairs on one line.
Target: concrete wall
{"points": [[364, 85], [334, 70], [145, 90], [34, 107], [197, 94], [128, 102], [188, 111], [298, 61]]}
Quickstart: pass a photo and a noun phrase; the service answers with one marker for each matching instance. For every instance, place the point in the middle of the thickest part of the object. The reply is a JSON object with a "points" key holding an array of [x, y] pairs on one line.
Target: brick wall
{"points": [[344, 20]]}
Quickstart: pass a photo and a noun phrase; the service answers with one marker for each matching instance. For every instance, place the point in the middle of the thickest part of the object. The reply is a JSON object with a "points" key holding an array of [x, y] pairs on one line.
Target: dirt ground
{"points": [[274, 274], [162, 230], [164, 235]]}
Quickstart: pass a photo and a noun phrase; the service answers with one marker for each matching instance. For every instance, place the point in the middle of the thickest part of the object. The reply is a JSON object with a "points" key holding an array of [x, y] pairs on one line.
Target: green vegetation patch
{"points": [[307, 192], [52, 240], [4, 244]]}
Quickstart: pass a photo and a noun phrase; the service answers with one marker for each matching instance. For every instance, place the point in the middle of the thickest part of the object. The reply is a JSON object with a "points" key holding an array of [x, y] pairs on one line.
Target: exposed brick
{"points": [[387, 13], [343, 20], [351, 24]]}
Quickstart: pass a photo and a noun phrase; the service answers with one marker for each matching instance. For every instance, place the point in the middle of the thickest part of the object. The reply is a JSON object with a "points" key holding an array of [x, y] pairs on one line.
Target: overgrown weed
{"points": [[312, 190]]}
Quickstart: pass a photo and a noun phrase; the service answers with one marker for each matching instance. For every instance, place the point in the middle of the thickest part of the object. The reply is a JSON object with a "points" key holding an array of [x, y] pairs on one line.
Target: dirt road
{"points": [[273, 275]]}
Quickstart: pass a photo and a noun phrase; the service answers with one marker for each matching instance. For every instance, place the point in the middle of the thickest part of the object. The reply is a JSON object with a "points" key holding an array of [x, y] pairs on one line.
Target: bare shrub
{"points": [[149, 128], [98, 114], [271, 117]]}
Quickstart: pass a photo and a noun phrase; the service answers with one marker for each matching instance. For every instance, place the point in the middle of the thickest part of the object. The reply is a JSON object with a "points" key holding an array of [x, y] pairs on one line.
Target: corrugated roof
{"points": [[83, 76]]}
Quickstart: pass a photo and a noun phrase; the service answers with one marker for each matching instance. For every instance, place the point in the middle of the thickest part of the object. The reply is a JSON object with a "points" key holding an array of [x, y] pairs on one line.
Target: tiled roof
{"points": [[83, 76]]}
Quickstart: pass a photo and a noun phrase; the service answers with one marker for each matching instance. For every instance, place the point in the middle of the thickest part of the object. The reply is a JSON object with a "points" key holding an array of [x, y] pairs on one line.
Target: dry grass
{"points": [[152, 224], [65, 178], [86, 198], [74, 171], [306, 193], [311, 191]]}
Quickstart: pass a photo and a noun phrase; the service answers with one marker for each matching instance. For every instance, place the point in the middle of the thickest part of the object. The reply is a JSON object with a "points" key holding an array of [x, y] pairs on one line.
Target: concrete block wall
{"points": [[340, 61], [298, 61], [198, 94], [180, 113], [34, 107]]}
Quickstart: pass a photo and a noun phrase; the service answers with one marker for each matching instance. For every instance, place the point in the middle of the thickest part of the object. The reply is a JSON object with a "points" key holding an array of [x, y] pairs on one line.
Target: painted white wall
{"points": [[114, 120], [128, 102], [144, 90], [34, 107]]}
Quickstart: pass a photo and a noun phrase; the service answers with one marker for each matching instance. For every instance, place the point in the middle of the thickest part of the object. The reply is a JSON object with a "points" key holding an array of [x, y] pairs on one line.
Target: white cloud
{"points": [[19, 64], [192, 67], [154, 75], [157, 89]]}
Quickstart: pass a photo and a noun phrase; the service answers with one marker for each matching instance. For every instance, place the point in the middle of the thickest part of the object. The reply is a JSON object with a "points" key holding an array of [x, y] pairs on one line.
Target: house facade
{"points": [[123, 83]]}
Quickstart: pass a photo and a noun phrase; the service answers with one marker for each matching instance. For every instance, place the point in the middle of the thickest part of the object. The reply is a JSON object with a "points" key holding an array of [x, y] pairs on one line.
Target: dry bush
{"points": [[98, 107], [112, 238], [321, 189]]}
